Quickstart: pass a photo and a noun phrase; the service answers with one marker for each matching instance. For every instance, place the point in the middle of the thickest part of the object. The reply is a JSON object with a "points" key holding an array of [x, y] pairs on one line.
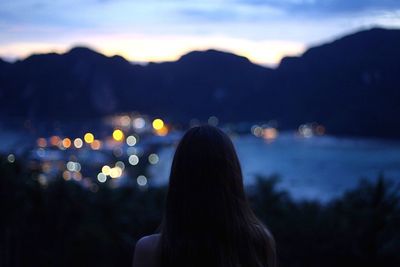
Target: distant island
{"points": [[351, 86]]}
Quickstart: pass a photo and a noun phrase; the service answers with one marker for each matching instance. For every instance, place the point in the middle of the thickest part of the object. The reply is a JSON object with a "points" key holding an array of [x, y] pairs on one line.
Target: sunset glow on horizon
{"points": [[156, 31], [142, 50]]}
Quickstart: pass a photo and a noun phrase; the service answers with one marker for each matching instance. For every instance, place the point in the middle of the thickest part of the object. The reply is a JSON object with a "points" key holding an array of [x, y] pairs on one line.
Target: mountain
{"points": [[351, 85], [352, 82]]}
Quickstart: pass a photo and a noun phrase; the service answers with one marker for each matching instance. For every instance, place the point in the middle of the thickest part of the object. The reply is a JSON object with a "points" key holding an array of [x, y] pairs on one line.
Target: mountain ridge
{"points": [[351, 85]]}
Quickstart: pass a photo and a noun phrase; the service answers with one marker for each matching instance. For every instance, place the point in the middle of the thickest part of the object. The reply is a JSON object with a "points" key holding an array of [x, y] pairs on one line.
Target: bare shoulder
{"points": [[148, 242], [147, 251]]}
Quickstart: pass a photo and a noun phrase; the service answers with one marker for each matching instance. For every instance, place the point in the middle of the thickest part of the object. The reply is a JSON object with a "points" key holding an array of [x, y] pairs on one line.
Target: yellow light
{"points": [[66, 142], [106, 170], [163, 131], [89, 138], [118, 135], [115, 172], [158, 124]]}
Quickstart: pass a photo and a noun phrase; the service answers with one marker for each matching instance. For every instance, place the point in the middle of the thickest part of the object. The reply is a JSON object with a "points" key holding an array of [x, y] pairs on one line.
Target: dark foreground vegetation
{"points": [[64, 224]]}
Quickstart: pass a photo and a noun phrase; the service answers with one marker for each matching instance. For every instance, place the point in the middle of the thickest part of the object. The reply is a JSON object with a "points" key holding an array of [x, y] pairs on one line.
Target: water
{"points": [[314, 168]]}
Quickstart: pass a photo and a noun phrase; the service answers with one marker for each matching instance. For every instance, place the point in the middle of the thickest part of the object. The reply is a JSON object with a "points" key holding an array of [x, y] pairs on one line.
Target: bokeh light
{"points": [[41, 142], [133, 160], [141, 180], [163, 131], [120, 164], [106, 169], [131, 140], [66, 142], [101, 177], [89, 138], [125, 121], [67, 175], [153, 159], [96, 144], [139, 123], [115, 172], [270, 133], [11, 158], [78, 143], [118, 135], [55, 140], [158, 124]]}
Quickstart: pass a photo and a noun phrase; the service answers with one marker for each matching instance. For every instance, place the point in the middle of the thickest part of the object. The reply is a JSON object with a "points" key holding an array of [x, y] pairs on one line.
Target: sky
{"points": [[162, 30]]}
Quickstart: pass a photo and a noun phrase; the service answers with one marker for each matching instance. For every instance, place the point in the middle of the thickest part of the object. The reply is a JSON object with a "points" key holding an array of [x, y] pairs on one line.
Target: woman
{"points": [[207, 220]]}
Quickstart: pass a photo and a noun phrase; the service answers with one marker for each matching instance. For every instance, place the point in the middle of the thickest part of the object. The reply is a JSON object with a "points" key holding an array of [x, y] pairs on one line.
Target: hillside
{"points": [[351, 85]]}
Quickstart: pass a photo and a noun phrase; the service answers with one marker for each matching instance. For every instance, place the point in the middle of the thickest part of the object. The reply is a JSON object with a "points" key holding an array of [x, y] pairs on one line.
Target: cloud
{"points": [[213, 15], [255, 28], [229, 13], [327, 6]]}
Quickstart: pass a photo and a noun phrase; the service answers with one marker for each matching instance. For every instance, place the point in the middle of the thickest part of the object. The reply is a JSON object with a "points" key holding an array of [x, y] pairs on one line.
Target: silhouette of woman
{"points": [[207, 219]]}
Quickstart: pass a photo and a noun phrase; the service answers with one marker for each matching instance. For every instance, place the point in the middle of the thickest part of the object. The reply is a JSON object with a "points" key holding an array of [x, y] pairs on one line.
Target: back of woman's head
{"points": [[208, 221]]}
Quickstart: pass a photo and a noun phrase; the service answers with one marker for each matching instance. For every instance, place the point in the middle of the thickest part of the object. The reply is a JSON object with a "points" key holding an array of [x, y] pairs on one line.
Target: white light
{"points": [[131, 140], [141, 180], [78, 143], [256, 130], [71, 166], [120, 164], [101, 177], [153, 159], [77, 167], [133, 160], [11, 158], [42, 180], [139, 123]]}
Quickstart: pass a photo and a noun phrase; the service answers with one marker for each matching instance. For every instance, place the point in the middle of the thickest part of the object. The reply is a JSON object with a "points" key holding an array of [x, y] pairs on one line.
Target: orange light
{"points": [[162, 131], [96, 144], [41, 142], [66, 175], [66, 142], [270, 133], [55, 140], [77, 176]]}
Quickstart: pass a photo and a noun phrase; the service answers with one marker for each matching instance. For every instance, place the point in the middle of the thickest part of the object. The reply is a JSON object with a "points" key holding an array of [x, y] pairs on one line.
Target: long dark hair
{"points": [[208, 221]]}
